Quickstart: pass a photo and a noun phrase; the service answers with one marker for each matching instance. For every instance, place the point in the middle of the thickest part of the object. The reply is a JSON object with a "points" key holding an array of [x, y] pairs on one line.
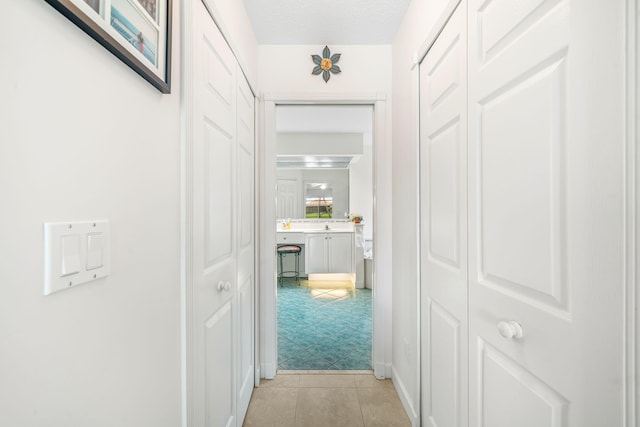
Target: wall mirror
{"points": [[324, 164], [318, 200]]}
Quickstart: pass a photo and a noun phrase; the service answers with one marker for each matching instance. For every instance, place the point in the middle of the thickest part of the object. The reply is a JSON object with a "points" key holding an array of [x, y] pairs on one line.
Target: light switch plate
{"points": [[75, 253]]}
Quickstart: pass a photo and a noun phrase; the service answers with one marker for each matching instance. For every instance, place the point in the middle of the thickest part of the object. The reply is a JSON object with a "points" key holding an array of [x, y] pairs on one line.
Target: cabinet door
{"points": [[340, 252], [315, 258]]}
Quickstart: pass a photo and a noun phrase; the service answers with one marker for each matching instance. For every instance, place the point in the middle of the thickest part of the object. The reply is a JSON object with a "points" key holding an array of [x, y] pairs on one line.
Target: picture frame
{"points": [[138, 32]]}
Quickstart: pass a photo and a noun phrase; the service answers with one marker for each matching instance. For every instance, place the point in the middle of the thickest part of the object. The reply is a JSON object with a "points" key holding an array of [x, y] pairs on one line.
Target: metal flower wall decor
{"points": [[326, 64]]}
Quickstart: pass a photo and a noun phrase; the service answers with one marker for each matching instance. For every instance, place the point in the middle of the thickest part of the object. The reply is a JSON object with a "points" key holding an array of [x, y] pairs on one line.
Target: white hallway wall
{"points": [[418, 22], [84, 137], [286, 69]]}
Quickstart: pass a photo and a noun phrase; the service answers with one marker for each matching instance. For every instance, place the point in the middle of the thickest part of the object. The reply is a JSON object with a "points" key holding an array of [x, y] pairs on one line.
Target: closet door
{"points": [[212, 157], [545, 212], [246, 243], [443, 195]]}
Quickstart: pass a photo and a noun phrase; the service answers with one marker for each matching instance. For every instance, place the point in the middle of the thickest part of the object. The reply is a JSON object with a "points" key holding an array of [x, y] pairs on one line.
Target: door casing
{"points": [[381, 354], [632, 216]]}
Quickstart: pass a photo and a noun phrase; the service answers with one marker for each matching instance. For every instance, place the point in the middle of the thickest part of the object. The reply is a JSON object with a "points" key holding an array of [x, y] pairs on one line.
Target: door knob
{"points": [[510, 329], [227, 286], [220, 286]]}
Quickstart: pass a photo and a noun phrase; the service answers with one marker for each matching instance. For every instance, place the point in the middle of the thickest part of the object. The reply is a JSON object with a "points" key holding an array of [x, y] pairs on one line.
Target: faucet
{"points": [[326, 226]]}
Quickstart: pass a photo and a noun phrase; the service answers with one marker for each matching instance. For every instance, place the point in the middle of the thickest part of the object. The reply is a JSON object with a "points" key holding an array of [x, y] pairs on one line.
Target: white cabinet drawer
{"points": [[288, 237]]}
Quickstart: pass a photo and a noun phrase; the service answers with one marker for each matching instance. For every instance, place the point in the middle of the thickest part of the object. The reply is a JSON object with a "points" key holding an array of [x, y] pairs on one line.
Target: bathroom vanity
{"points": [[328, 247], [330, 252]]}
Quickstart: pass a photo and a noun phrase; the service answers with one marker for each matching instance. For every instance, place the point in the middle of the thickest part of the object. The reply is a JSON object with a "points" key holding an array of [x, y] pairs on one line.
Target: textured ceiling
{"points": [[326, 21]]}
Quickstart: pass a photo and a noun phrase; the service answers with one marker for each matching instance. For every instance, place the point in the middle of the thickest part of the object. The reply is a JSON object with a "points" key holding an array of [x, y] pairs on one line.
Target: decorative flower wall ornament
{"points": [[326, 64]]}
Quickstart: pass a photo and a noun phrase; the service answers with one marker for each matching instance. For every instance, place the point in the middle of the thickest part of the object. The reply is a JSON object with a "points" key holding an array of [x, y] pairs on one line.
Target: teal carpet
{"points": [[323, 328]]}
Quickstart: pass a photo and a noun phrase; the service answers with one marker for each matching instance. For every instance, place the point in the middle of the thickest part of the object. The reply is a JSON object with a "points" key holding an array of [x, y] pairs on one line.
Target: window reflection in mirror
{"points": [[318, 198]]}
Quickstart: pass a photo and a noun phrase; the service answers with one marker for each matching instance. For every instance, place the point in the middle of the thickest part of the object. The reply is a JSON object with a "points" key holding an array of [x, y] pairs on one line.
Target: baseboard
{"points": [[409, 407], [379, 371], [257, 376], [269, 370], [388, 370]]}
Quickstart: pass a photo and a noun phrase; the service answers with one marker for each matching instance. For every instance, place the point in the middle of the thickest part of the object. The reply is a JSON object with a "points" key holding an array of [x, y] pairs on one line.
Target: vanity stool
{"points": [[282, 252]]}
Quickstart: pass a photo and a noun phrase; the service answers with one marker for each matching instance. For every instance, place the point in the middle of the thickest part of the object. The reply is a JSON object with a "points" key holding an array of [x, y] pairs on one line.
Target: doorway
{"points": [[380, 215], [324, 159]]}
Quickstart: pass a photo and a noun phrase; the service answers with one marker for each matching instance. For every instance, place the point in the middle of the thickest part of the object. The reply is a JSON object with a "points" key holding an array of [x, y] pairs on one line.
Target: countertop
{"points": [[317, 230]]}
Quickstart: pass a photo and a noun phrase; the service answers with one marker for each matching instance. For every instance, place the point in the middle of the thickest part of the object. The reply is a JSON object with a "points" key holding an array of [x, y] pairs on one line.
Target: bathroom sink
{"points": [[330, 230]]}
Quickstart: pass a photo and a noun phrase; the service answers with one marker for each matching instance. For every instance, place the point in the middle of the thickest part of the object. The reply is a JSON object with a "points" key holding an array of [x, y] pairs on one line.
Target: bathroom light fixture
{"points": [[313, 162]]}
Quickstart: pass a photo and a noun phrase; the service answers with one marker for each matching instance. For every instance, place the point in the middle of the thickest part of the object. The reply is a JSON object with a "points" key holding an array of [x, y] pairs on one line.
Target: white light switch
{"points": [[70, 255], [94, 251], [75, 253]]}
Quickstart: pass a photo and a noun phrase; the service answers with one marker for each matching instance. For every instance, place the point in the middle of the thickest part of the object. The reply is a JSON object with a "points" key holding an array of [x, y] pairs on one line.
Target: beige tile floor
{"points": [[336, 400]]}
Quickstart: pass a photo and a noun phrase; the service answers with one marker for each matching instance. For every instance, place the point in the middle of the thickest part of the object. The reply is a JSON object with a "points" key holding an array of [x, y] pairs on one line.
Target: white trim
{"points": [[268, 370], [416, 106], [435, 32], [632, 211], [409, 408], [267, 220], [337, 98], [381, 225], [257, 130], [186, 203], [382, 370], [382, 241]]}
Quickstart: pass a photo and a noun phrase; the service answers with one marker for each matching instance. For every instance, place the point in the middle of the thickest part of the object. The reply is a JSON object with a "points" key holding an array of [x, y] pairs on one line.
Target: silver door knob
{"points": [[220, 286], [510, 329]]}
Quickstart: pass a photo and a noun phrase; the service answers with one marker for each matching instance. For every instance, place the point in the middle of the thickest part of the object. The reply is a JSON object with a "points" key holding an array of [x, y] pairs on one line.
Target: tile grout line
{"points": [[360, 406], [295, 411]]}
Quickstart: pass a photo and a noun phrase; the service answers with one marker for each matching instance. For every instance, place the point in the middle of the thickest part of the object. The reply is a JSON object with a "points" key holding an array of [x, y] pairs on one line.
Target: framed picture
{"points": [[138, 32]]}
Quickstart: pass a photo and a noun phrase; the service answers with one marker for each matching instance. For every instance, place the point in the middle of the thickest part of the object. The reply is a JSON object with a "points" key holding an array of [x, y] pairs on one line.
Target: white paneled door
{"points": [[522, 207], [220, 157], [214, 225], [443, 195], [288, 199], [545, 213], [246, 242]]}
